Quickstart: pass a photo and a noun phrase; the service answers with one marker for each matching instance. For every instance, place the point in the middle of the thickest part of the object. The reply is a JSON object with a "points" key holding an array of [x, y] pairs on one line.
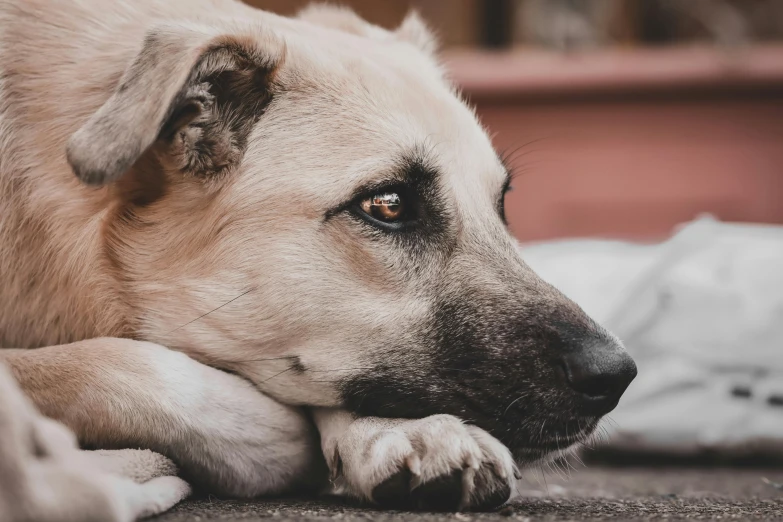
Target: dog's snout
{"points": [[600, 373]]}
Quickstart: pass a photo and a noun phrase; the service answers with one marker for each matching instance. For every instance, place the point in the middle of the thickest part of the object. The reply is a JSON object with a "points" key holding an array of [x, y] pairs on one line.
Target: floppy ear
{"points": [[197, 93]]}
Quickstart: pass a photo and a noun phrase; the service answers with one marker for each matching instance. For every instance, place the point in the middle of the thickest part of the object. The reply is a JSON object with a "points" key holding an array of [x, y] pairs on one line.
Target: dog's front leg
{"points": [[437, 462], [225, 435]]}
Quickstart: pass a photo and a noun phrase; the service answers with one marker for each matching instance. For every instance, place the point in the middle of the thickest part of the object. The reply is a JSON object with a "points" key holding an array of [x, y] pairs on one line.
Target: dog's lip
{"points": [[558, 441], [552, 444], [528, 455]]}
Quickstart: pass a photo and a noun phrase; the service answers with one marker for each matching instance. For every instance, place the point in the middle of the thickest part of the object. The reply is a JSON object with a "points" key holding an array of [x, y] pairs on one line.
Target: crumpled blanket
{"points": [[702, 315], [44, 477]]}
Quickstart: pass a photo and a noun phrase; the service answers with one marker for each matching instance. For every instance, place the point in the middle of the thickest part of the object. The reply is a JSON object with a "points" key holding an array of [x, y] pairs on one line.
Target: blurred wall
{"points": [[629, 144]]}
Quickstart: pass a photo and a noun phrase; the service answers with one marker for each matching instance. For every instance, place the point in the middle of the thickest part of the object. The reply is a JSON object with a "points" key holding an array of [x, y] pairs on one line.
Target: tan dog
{"points": [[306, 208], [45, 478]]}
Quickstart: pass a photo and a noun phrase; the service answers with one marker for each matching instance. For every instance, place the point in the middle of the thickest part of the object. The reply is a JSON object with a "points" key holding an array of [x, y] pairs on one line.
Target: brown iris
{"points": [[387, 207]]}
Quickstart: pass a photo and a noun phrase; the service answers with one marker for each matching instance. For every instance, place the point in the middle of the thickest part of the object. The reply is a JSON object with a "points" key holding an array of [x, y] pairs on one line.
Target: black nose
{"points": [[600, 372]]}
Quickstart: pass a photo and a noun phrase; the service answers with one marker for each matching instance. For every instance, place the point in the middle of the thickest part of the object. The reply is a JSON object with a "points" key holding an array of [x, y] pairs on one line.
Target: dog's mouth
{"points": [[559, 438], [533, 426]]}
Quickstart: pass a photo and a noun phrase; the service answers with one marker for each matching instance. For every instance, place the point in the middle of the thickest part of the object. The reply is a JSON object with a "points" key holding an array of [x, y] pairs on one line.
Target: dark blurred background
{"points": [[622, 118]]}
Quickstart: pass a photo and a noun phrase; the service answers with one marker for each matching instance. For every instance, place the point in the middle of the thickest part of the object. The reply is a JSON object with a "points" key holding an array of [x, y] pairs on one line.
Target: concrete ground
{"points": [[594, 493]]}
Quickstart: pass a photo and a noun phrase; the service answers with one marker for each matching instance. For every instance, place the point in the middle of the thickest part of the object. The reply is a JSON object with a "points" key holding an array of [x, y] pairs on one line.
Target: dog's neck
{"points": [[60, 262], [53, 267]]}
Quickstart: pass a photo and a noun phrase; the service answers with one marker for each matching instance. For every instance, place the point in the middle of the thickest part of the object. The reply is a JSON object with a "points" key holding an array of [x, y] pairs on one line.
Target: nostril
{"points": [[593, 386], [598, 379]]}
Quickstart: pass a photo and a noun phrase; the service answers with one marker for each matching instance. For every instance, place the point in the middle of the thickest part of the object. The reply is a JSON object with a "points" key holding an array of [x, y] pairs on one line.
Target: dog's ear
{"points": [[197, 93], [413, 30], [340, 18]]}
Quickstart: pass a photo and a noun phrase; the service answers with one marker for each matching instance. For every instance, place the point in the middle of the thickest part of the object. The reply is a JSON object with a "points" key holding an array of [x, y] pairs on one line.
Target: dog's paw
{"points": [[436, 463]]}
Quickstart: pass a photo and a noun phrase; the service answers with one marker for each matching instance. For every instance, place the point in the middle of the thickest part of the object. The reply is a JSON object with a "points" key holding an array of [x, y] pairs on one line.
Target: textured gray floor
{"points": [[588, 494]]}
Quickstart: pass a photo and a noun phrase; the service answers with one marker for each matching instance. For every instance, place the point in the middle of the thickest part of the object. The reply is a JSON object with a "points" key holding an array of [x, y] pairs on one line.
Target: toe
{"points": [[443, 493], [394, 492], [491, 490]]}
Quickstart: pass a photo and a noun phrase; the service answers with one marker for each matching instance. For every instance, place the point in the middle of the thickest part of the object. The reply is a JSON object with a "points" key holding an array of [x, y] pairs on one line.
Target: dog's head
{"points": [[310, 204]]}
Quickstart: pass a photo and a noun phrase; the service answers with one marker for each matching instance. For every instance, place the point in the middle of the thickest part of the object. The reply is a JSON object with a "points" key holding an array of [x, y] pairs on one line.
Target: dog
{"points": [[274, 249]]}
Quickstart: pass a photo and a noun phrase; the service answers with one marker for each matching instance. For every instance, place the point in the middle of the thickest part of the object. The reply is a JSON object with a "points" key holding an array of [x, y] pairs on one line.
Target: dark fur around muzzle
{"points": [[508, 353]]}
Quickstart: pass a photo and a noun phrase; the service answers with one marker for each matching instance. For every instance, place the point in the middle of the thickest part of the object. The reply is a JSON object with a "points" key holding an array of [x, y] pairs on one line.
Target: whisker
{"points": [[510, 405], [549, 467], [262, 359], [612, 422], [537, 465], [555, 466], [590, 442], [509, 157], [516, 488], [523, 167], [603, 435], [213, 310], [568, 462], [341, 369], [507, 153], [277, 374], [578, 459], [561, 463]]}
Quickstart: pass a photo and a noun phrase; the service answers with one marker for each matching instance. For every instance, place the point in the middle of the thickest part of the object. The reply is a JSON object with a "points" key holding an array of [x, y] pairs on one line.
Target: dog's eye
{"points": [[387, 207], [502, 201]]}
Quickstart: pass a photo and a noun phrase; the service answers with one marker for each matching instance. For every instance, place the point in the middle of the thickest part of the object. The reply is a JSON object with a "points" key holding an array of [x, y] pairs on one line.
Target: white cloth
{"points": [[702, 315]]}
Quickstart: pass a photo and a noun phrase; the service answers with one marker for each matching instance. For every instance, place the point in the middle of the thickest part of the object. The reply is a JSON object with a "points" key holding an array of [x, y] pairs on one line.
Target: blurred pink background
{"points": [[628, 144]]}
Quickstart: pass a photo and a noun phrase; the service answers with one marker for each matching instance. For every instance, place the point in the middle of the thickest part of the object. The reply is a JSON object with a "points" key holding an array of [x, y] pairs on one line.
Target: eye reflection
{"points": [[387, 207]]}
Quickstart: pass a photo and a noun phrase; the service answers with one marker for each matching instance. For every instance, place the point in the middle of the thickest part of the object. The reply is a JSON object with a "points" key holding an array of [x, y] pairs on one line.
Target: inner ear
{"points": [[207, 131], [190, 95]]}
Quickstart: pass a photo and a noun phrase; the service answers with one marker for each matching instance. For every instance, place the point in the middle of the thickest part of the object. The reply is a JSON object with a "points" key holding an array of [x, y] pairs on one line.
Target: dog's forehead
{"points": [[388, 100], [431, 119], [352, 109]]}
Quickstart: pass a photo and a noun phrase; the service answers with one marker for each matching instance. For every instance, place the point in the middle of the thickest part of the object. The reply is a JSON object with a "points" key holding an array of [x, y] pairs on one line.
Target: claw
{"points": [[414, 464], [336, 468], [500, 471], [468, 485], [472, 462]]}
